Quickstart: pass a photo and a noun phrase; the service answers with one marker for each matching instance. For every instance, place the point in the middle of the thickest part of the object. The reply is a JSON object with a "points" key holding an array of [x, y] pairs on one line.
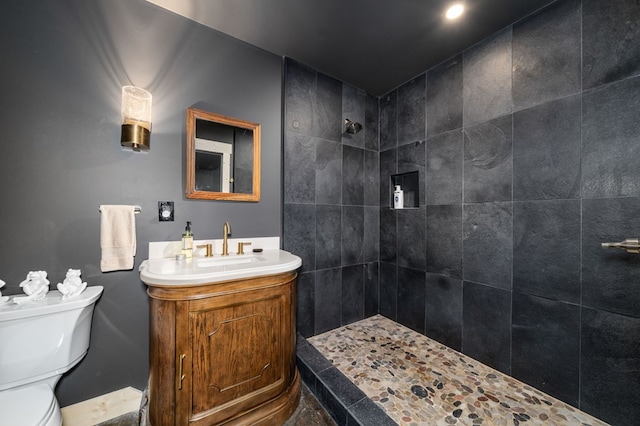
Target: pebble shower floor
{"points": [[419, 381]]}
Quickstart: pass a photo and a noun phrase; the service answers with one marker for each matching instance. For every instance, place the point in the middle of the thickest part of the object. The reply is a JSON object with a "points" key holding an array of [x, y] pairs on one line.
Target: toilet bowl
{"points": [[39, 342], [34, 406]]}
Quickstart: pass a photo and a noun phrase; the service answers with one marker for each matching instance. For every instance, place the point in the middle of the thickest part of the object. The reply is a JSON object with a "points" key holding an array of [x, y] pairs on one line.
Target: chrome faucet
{"points": [[226, 231]]}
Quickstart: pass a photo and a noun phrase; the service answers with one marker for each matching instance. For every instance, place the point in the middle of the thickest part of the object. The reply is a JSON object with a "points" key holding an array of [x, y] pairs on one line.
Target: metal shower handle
{"points": [[631, 245]]}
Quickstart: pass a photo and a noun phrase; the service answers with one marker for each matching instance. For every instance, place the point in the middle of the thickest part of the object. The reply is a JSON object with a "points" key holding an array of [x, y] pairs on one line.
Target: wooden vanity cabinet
{"points": [[223, 353]]}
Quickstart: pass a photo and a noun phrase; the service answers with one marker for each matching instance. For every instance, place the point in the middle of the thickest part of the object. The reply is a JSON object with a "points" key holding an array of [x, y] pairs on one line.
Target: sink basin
{"points": [[166, 272], [227, 260]]}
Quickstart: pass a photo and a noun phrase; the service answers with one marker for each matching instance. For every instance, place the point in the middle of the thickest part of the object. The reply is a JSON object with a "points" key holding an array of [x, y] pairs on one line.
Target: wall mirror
{"points": [[223, 157]]}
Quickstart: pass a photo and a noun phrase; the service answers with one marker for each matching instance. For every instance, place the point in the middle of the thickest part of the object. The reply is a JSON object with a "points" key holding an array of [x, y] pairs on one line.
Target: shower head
{"points": [[351, 127]]}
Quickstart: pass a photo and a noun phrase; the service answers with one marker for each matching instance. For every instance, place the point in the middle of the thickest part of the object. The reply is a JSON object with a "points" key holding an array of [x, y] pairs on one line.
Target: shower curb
{"points": [[343, 400]]}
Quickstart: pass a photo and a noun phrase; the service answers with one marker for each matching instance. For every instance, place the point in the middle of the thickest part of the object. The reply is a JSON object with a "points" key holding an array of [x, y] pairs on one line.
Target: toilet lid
{"points": [[28, 406]]}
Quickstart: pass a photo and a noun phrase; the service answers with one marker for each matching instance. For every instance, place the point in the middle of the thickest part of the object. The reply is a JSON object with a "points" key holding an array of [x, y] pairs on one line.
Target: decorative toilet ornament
{"points": [[36, 287], [72, 284], [3, 299]]}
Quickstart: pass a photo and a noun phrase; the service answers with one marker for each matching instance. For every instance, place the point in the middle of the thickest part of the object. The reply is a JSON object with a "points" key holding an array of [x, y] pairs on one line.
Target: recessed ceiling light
{"points": [[454, 11]]}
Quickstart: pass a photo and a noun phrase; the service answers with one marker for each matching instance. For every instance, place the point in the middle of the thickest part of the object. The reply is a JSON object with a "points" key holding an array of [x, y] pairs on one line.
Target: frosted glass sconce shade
{"points": [[136, 118]]}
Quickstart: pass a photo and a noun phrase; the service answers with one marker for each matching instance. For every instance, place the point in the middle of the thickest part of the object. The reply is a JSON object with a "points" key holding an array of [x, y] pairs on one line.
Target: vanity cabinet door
{"points": [[239, 352]]}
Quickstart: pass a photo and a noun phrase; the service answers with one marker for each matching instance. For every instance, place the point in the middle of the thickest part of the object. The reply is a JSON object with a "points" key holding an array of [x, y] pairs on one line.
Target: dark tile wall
{"points": [[530, 162], [527, 147], [331, 198]]}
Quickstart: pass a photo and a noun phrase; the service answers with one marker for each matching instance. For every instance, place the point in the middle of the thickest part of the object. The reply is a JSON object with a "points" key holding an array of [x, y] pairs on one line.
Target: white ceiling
{"points": [[375, 45]]}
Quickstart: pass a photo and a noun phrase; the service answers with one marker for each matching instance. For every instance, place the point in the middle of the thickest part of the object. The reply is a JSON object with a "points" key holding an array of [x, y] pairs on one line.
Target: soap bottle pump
{"points": [[187, 241], [398, 198]]}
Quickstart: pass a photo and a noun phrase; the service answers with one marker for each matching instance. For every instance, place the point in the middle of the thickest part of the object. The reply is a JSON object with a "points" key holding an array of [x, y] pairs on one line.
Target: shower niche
{"points": [[409, 182]]}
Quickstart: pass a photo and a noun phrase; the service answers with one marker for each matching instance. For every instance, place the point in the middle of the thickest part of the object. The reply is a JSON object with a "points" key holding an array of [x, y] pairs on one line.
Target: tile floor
{"points": [[120, 403], [309, 412], [418, 381]]}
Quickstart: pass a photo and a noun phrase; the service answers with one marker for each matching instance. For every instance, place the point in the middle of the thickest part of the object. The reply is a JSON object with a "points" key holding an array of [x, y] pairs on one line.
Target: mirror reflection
{"points": [[223, 157]]}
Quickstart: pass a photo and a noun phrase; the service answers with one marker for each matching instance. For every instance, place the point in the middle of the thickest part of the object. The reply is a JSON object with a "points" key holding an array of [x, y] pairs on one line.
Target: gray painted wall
{"points": [[64, 63]]}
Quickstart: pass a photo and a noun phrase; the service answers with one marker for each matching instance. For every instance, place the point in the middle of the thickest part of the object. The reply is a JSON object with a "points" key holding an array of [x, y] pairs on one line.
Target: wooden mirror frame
{"points": [[194, 114]]}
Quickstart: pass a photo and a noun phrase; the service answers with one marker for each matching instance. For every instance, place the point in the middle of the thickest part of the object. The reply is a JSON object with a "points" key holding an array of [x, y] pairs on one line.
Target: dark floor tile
{"points": [[546, 346], [367, 412], [344, 390], [308, 354], [609, 378], [309, 411], [128, 419]]}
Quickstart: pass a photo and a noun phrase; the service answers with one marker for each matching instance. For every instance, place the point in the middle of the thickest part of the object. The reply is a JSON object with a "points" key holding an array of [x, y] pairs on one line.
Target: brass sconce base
{"points": [[135, 137]]}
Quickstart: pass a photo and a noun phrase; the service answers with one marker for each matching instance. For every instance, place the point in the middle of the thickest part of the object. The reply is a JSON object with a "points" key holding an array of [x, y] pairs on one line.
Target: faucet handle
{"points": [[241, 247], [209, 249]]}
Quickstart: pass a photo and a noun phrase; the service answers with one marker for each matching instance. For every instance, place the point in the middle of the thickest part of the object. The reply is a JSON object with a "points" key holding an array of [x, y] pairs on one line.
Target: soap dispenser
{"points": [[398, 198], [187, 241]]}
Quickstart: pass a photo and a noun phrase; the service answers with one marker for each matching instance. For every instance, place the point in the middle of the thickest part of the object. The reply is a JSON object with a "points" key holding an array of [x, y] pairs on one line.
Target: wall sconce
{"points": [[136, 118]]}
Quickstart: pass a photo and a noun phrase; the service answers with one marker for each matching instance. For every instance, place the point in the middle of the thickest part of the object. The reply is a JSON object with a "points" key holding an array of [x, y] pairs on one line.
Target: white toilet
{"points": [[39, 342]]}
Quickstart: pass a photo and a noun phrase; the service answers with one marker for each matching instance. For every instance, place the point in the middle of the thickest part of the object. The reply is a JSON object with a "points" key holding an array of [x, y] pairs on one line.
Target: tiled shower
{"points": [[527, 147]]}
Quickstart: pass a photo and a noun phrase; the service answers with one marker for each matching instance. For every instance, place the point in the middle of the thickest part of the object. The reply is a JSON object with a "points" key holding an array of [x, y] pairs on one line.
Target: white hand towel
{"points": [[117, 237]]}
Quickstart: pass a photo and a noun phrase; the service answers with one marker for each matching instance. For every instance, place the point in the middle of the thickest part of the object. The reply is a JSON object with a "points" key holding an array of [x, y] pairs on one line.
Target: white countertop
{"points": [[164, 270]]}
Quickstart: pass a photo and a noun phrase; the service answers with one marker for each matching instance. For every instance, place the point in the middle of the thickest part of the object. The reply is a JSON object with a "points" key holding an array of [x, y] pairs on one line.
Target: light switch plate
{"points": [[165, 211]]}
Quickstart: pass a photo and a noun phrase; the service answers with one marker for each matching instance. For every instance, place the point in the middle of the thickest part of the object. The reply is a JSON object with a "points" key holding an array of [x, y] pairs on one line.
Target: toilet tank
{"points": [[41, 340]]}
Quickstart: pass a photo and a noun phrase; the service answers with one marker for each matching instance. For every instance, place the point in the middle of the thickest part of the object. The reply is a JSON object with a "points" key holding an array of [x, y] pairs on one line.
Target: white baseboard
{"points": [[102, 408]]}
